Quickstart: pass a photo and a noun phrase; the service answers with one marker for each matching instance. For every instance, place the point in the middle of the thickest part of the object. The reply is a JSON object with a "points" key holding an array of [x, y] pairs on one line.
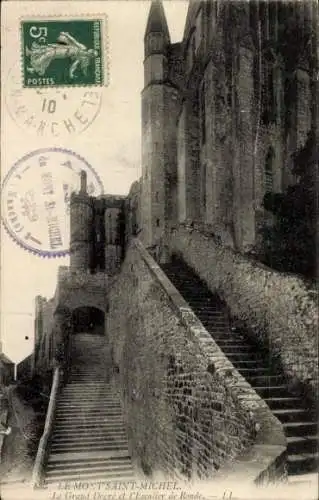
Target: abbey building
{"points": [[223, 112]]}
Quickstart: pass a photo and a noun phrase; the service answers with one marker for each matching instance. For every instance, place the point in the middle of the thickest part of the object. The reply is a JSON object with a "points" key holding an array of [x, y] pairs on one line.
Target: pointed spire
{"points": [[156, 22]]}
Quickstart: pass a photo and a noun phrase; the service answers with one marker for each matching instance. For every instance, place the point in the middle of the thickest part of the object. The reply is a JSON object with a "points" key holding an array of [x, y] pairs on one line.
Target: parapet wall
{"points": [[189, 412], [279, 310]]}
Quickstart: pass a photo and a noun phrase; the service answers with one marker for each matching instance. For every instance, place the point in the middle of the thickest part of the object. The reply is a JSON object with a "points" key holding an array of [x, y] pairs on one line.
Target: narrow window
{"points": [[269, 170], [203, 189], [268, 95], [193, 47], [157, 222]]}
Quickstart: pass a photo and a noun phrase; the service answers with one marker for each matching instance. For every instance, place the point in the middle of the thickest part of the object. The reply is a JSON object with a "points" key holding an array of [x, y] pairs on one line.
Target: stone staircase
{"points": [[89, 440], [299, 422]]}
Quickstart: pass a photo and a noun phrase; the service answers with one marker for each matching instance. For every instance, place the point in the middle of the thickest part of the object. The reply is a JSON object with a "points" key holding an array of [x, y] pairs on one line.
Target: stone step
{"points": [[302, 444], [275, 403], [60, 462], [89, 394], [102, 439], [243, 357], [67, 459], [81, 377], [227, 342], [86, 386], [89, 425], [90, 412], [231, 346], [76, 403], [89, 443], [211, 322], [85, 428], [101, 375], [91, 377], [98, 400], [90, 429], [74, 406], [88, 404], [65, 421], [91, 434], [255, 371], [291, 414], [300, 428], [90, 384], [308, 479], [94, 392], [264, 379], [302, 463], [93, 476], [94, 467], [251, 364], [84, 378], [67, 448], [272, 391]]}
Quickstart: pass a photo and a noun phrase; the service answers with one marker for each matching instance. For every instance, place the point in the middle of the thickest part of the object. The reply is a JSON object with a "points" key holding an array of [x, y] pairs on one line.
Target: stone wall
{"points": [[280, 310], [24, 368], [43, 345], [189, 412]]}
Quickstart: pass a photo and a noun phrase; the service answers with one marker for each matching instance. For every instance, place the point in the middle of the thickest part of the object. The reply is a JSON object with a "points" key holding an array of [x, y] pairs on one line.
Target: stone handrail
{"points": [[44, 441], [264, 460]]}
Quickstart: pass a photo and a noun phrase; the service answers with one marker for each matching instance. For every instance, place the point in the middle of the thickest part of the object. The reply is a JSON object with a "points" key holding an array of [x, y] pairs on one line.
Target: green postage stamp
{"points": [[63, 52]]}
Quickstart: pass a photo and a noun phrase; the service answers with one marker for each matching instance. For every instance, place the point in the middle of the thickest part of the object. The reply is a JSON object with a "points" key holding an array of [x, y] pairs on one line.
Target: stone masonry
{"points": [[185, 416], [280, 310]]}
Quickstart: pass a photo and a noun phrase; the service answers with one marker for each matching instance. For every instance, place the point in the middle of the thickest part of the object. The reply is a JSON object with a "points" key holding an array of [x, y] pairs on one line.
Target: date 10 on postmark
{"points": [[63, 52]]}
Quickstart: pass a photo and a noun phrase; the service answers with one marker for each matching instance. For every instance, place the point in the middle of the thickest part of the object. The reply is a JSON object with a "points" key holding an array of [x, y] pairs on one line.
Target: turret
{"points": [[156, 39], [158, 129], [156, 44], [81, 215]]}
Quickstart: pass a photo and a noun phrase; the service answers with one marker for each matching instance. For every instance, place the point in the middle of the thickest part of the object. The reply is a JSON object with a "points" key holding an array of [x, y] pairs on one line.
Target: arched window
{"points": [[269, 174]]}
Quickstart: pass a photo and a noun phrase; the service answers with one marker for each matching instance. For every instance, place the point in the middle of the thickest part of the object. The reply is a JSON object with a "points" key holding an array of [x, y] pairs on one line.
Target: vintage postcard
{"points": [[159, 302]]}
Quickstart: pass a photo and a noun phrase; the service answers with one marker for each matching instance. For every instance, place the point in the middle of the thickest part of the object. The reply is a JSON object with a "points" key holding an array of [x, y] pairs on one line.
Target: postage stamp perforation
{"points": [[96, 16]]}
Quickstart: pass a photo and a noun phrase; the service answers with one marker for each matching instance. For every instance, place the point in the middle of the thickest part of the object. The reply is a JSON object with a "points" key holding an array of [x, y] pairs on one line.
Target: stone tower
{"points": [[81, 214], [158, 129]]}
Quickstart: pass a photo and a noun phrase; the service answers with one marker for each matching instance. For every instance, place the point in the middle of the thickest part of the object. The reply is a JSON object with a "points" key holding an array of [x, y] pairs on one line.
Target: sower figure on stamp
{"points": [[41, 56]]}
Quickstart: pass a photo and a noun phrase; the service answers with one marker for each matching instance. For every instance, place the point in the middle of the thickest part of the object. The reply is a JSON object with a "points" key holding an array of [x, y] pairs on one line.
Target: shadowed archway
{"points": [[88, 320]]}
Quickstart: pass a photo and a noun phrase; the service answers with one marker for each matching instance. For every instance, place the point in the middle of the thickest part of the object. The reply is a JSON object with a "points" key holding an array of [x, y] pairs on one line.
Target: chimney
{"points": [[83, 182]]}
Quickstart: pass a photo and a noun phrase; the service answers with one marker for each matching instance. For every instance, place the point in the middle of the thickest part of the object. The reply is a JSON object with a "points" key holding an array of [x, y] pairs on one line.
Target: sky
{"points": [[110, 143]]}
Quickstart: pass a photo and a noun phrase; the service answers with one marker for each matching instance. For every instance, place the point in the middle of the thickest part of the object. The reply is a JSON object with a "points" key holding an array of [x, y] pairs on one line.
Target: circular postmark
{"points": [[51, 112], [36, 196]]}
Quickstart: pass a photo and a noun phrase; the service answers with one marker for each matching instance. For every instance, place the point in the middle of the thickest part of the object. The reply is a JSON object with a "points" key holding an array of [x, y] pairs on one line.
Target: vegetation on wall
{"points": [[290, 243]]}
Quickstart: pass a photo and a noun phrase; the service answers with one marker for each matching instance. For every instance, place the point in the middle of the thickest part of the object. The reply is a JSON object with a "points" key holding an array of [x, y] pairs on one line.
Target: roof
{"points": [[26, 359], [5, 359], [156, 22]]}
